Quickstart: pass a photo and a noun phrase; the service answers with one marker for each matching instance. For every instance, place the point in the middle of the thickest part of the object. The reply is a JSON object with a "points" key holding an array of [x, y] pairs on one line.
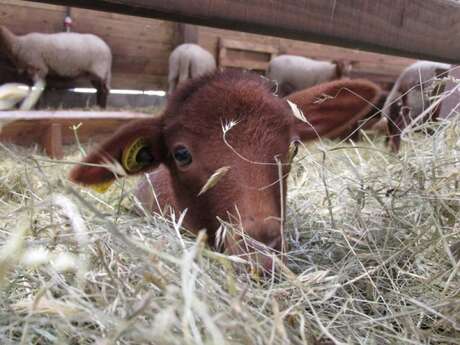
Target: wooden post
{"points": [[53, 129], [52, 141], [186, 33]]}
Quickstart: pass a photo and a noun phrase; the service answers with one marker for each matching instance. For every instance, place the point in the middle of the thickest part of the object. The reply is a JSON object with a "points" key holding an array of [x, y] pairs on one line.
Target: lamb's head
{"points": [[4, 32], [8, 42], [231, 123]]}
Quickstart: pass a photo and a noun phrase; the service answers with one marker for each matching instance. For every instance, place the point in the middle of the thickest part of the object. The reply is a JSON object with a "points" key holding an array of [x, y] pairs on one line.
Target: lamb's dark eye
{"points": [[182, 156]]}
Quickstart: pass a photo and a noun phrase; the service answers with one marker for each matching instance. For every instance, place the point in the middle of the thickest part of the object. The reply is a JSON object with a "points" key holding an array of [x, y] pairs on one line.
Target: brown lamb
{"points": [[185, 146]]}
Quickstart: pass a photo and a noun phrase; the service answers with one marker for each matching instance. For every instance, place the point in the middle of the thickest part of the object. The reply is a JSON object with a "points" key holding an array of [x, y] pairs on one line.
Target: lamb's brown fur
{"points": [[262, 132], [68, 55]]}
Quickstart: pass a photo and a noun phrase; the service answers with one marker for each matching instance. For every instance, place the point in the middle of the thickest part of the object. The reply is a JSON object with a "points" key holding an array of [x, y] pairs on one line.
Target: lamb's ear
{"points": [[332, 108], [134, 148]]}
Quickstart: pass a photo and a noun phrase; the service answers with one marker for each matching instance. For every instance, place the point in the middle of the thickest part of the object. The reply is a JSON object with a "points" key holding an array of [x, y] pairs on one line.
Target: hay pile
{"points": [[371, 258]]}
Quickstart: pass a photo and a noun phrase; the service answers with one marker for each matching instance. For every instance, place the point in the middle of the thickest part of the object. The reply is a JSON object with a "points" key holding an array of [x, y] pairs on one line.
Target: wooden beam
{"points": [[52, 141], [52, 129], [186, 33], [247, 55], [427, 29], [75, 115]]}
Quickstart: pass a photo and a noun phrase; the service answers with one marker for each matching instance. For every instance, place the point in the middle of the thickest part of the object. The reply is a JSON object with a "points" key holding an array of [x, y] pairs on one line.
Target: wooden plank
{"points": [[247, 55], [397, 27], [52, 129], [36, 5], [52, 141], [251, 46], [186, 33], [209, 37], [77, 115], [139, 81], [249, 65], [24, 17], [127, 29]]}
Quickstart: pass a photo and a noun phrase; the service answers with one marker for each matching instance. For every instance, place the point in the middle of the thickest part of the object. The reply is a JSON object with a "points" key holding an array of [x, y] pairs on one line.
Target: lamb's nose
{"points": [[265, 231], [261, 242]]}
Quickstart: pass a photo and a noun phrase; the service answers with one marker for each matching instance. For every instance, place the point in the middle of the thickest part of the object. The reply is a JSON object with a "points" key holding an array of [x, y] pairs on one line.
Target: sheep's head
{"points": [[7, 42]]}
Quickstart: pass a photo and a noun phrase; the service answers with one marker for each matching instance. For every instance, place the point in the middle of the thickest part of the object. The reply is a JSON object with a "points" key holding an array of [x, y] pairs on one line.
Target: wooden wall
{"points": [[141, 46], [380, 68]]}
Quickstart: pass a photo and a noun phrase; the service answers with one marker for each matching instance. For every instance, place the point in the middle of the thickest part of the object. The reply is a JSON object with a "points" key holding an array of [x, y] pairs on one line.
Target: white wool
{"points": [[300, 72], [414, 80], [188, 61], [66, 54]]}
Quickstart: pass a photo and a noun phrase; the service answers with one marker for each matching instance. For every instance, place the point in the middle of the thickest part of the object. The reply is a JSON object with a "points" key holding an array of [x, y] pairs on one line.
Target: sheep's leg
{"points": [[35, 93], [102, 95], [172, 85], [173, 73], [184, 70], [102, 92]]}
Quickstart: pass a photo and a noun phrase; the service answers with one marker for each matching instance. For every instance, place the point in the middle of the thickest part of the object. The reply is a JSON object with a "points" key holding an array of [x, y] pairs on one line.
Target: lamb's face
{"points": [[246, 131], [229, 124]]}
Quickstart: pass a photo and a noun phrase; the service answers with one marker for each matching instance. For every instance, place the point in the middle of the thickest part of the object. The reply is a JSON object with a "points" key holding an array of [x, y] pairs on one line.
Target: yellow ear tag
{"points": [[129, 156], [101, 187]]}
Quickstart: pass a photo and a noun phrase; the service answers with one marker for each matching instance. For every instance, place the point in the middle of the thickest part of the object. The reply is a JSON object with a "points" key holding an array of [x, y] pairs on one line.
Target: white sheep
{"points": [[188, 61], [293, 73], [68, 55], [409, 97]]}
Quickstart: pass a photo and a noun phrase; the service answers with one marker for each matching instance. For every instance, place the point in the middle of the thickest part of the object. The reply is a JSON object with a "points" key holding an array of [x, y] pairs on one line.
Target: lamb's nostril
{"points": [[259, 243], [266, 232]]}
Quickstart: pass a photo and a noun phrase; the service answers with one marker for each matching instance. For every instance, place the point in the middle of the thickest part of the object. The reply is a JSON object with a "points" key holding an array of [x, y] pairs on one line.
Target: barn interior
{"points": [[372, 232], [141, 47]]}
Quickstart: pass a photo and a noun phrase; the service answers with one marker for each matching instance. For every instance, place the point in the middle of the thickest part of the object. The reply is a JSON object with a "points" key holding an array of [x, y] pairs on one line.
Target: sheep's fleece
{"points": [[188, 61], [65, 54]]}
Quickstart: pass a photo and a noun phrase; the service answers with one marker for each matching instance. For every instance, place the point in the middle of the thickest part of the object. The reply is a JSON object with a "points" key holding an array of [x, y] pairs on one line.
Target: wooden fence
{"points": [[141, 46]]}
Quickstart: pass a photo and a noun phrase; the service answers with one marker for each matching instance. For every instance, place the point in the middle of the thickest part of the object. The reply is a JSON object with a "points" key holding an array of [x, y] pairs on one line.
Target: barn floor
{"points": [[370, 259]]}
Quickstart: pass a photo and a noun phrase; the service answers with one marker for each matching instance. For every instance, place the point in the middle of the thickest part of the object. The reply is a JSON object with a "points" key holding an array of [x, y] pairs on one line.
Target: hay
{"points": [[370, 260]]}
